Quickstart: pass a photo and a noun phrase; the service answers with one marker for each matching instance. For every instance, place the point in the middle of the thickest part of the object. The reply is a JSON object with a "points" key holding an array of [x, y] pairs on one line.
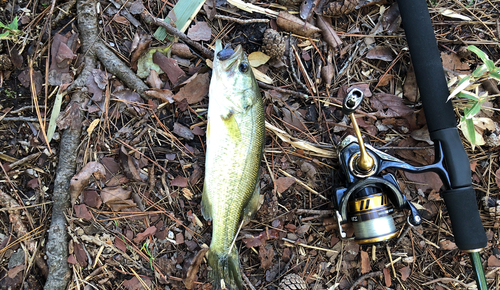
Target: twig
{"points": [[314, 211], [25, 159], [247, 281], [446, 280], [22, 119], [284, 91], [294, 73], [241, 21], [303, 184], [147, 17], [364, 277]]}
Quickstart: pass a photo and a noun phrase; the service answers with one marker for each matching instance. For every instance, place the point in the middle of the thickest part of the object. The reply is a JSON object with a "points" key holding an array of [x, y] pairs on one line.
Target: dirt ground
{"points": [[98, 144]]}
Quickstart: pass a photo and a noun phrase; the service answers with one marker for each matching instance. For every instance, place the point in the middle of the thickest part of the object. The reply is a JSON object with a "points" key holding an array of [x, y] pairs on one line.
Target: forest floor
{"points": [[96, 140]]}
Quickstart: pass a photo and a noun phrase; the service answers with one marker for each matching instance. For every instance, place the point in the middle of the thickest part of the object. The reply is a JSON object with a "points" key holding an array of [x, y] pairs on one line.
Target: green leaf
{"points": [[471, 131], [479, 71], [13, 25], [53, 116], [489, 63], [4, 35], [495, 75], [2, 25], [468, 95], [469, 113], [462, 84], [184, 11]]}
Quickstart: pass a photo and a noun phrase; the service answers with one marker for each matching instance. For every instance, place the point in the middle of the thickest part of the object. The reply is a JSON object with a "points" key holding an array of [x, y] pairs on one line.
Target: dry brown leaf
{"points": [[179, 181], [141, 42], [448, 245], [182, 50], [493, 261], [195, 90], [183, 131], [80, 255], [82, 178], [169, 66], [425, 181], [388, 106], [422, 134], [193, 268], [128, 165], [117, 198], [380, 52], [283, 183], [405, 272], [452, 62], [290, 23], [82, 212], [365, 263], [257, 58], [410, 88], [387, 277], [120, 244], [328, 32], [266, 255], [142, 236], [154, 80], [261, 238], [14, 271], [120, 19], [293, 120], [134, 284], [165, 95], [200, 31], [307, 9], [328, 71]]}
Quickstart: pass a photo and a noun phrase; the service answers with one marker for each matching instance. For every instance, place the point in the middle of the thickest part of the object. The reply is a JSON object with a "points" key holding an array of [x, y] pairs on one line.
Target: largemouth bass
{"points": [[235, 139]]}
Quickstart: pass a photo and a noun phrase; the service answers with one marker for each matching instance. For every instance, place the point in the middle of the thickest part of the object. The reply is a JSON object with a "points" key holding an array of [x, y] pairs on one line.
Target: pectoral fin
{"points": [[206, 206], [232, 125], [253, 205]]}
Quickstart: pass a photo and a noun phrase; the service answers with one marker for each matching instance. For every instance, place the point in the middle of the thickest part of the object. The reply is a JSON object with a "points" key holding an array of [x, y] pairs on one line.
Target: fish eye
{"points": [[243, 67]]}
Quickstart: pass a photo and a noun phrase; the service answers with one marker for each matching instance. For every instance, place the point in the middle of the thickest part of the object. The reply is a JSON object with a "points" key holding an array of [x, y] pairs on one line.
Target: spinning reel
{"points": [[371, 197]]}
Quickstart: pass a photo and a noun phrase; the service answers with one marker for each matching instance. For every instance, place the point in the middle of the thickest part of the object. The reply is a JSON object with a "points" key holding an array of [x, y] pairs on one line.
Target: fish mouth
{"points": [[226, 56]]}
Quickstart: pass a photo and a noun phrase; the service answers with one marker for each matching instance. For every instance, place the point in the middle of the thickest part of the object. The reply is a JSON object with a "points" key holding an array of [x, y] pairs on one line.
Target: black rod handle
{"points": [[460, 199]]}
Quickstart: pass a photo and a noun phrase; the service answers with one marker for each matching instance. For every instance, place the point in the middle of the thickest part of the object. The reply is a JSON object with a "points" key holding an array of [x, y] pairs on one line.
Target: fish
{"points": [[235, 140]]}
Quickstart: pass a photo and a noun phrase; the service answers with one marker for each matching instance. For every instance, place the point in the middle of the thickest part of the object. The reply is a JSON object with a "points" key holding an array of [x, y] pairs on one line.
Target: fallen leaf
{"points": [[128, 165], [283, 183], [380, 52], [117, 198], [290, 23], [193, 268], [434, 195], [450, 13], [497, 177], [80, 255], [410, 88], [179, 181], [365, 263], [134, 284], [387, 277], [352, 248], [493, 261], [266, 255], [384, 80], [72, 260], [260, 76], [452, 62], [422, 134], [169, 66], [179, 238], [183, 131], [82, 212], [165, 95], [120, 19], [120, 244], [258, 58], [94, 89], [14, 271], [388, 105], [182, 50], [303, 229], [82, 178], [24, 78], [154, 80], [405, 272], [261, 238], [142, 236], [198, 131], [200, 31], [195, 90], [293, 120], [448, 245], [59, 72], [328, 31], [307, 9], [425, 181], [131, 99]]}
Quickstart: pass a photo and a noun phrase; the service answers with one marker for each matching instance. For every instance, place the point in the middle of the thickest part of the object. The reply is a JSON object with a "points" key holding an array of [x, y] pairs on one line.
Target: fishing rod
{"points": [[371, 196]]}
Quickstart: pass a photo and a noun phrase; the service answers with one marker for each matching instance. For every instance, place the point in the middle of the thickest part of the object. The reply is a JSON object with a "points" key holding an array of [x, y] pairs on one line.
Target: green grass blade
{"points": [[13, 25], [53, 116], [471, 130], [184, 11]]}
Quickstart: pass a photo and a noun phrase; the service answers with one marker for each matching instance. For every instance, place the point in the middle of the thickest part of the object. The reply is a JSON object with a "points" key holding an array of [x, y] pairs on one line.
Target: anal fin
{"points": [[206, 206]]}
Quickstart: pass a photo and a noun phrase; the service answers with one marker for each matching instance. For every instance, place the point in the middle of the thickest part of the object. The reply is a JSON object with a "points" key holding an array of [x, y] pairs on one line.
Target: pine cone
{"points": [[339, 8], [292, 282], [290, 2], [273, 43]]}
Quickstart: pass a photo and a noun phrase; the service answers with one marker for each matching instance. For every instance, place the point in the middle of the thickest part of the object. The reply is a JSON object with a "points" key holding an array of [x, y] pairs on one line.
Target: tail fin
{"points": [[225, 267]]}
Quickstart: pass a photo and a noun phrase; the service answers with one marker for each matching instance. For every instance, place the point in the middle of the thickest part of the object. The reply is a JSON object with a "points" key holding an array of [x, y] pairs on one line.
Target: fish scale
{"points": [[235, 139]]}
